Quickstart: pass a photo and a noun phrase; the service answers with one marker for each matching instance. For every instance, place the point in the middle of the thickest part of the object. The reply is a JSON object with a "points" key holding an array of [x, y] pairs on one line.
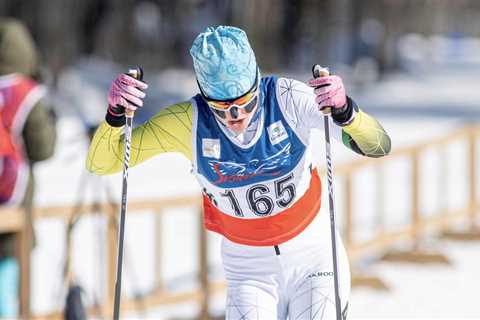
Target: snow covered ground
{"points": [[425, 291], [416, 291]]}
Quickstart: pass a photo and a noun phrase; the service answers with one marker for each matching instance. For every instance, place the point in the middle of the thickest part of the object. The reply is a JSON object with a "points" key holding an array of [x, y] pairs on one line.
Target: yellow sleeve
{"points": [[170, 130], [366, 136]]}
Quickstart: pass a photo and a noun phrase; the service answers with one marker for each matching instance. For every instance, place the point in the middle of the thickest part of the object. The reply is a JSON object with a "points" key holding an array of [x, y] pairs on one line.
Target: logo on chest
{"points": [[277, 132], [211, 148], [237, 171]]}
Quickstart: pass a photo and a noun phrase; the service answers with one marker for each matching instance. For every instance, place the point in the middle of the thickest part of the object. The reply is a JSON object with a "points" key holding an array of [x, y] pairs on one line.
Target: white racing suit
{"points": [[294, 279], [264, 198]]}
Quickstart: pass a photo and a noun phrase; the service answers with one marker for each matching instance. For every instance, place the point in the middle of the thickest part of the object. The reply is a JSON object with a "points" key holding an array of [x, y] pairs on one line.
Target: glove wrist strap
{"points": [[345, 115], [115, 116]]}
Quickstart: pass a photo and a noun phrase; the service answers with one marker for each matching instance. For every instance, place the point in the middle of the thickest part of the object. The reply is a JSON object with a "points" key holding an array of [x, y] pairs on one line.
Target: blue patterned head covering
{"points": [[224, 62]]}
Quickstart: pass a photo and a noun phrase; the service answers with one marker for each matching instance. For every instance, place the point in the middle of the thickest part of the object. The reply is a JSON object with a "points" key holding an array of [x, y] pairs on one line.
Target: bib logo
{"points": [[277, 132], [320, 274], [231, 171], [211, 148]]}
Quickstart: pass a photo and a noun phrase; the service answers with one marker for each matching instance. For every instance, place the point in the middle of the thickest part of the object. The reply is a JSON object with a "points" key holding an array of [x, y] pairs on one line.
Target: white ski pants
{"points": [[292, 281]]}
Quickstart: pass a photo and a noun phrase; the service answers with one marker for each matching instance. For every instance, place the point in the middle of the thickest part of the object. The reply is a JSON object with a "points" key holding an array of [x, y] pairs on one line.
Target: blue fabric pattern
{"points": [[234, 166], [224, 62]]}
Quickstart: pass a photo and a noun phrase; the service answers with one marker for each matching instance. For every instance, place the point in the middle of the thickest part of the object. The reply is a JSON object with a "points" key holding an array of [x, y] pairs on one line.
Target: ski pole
{"points": [[136, 73], [319, 71]]}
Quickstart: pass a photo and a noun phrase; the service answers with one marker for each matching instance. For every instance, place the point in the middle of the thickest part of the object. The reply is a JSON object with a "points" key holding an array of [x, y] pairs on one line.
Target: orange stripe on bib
{"points": [[269, 231]]}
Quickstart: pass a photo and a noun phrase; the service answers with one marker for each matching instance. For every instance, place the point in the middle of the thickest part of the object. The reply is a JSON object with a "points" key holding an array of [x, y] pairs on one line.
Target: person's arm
{"points": [[170, 130], [39, 133], [359, 131]]}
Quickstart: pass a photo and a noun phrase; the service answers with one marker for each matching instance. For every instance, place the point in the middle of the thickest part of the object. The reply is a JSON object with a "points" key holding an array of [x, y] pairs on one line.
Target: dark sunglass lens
{"points": [[219, 113], [249, 107], [234, 112]]}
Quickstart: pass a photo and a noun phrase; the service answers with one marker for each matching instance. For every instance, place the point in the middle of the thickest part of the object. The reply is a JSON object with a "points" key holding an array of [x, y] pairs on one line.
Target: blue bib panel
{"points": [[227, 165]]}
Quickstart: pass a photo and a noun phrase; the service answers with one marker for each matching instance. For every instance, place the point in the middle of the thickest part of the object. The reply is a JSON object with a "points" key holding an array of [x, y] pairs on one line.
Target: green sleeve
{"points": [[366, 136], [170, 130], [39, 133]]}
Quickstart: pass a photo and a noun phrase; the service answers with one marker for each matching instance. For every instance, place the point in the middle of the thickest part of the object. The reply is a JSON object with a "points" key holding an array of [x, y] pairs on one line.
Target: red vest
{"points": [[18, 95]]}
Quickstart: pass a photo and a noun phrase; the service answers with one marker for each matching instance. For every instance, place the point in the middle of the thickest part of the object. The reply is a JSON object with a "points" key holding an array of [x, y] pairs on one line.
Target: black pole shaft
{"points": [[317, 72], [123, 210], [338, 307], [136, 73]]}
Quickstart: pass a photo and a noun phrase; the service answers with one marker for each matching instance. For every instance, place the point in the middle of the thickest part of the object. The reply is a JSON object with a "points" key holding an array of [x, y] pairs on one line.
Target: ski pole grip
{"points": [[317, 72], [136, 73]]}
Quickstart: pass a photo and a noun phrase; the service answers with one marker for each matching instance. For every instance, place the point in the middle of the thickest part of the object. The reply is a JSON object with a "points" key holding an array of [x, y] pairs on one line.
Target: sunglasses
{"points": [[246, 102]]}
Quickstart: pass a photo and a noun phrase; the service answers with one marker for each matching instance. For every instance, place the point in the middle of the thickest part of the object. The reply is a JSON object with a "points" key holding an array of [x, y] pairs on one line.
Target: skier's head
{"points": [[227, 74], [17, 50]]}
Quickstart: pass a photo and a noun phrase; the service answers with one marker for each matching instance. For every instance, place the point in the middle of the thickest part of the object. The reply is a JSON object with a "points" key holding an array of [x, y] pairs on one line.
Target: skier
{"points": [[27, 136], [248, 138]]}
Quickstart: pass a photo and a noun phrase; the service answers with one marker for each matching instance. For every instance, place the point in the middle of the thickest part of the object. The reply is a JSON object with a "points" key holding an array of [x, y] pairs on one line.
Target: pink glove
{"points": [[125, 92], [329, 91]]}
